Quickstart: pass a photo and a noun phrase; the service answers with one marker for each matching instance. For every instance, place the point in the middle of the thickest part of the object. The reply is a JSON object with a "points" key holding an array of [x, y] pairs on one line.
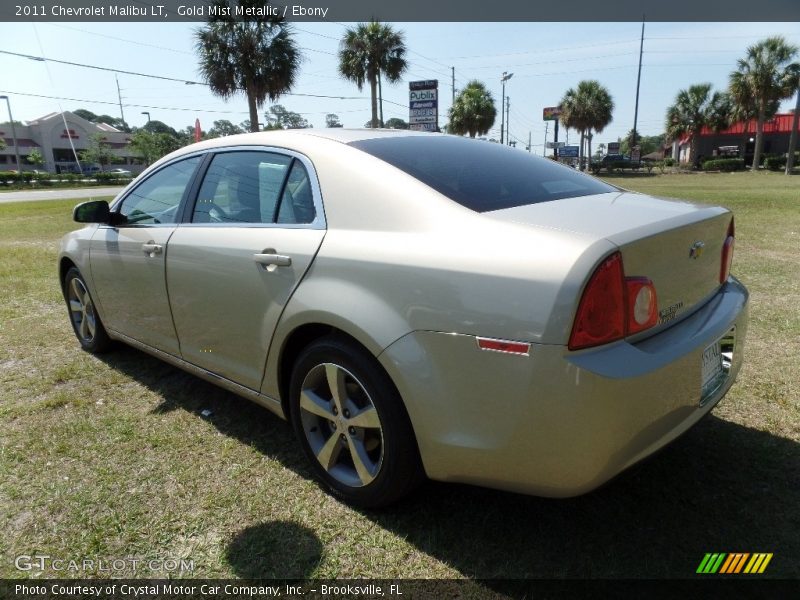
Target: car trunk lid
{"points": [[677, 245]]}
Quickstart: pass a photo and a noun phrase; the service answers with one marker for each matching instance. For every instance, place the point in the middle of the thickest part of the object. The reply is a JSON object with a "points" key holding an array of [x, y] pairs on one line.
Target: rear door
{"points": [[128, 259], [255, 227]]}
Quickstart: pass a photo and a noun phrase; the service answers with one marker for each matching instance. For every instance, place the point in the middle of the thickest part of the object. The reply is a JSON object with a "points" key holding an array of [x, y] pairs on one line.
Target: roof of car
{"points": [[336, 134], [293, 138]]}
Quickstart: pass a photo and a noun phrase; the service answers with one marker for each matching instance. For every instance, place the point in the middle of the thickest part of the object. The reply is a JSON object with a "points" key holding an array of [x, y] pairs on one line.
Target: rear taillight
{"points": [[642, 305], [613, 306], [601, 313], [727, 254]]}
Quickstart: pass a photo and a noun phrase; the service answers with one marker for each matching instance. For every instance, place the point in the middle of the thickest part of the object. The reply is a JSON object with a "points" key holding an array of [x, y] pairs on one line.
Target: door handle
{"points": [[152, 249], [278, 260]]}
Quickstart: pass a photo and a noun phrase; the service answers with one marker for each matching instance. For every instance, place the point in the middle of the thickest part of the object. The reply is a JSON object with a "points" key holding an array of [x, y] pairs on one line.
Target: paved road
{"points": [[30, 195]]}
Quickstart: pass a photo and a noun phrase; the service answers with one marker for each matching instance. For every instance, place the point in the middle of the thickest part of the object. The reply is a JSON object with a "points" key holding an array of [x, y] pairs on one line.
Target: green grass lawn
{"points": [[109, 457]]}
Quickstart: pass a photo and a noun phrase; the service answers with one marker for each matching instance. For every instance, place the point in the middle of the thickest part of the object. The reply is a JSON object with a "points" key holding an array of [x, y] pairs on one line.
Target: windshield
{"points": [[482, 176]]}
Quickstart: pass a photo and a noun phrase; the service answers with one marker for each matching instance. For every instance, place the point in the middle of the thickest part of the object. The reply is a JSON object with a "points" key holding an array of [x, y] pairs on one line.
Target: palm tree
{"points": [[694, 108], [473, 111], [587, 107], [762, 79], [369, 51], [257, 56]]}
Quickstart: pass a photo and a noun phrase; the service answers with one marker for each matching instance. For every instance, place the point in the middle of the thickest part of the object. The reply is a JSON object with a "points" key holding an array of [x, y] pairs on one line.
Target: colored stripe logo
{"points": [[735, 562]]}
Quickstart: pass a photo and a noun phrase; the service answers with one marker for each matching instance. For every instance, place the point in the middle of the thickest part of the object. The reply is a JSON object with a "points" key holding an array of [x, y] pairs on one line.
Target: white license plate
{"points": [[711, 370]]}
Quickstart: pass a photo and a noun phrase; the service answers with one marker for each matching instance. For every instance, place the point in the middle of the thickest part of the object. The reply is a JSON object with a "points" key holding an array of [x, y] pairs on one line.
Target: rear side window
{"points": [[479, 175], [241, 187]]}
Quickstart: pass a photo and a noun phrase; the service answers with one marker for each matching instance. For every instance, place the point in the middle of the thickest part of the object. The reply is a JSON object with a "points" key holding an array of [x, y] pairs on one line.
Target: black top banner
{"points": [[406, 10]]}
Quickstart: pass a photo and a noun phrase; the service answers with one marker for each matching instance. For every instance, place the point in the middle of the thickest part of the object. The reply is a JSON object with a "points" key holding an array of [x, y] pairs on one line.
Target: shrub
{"points": [[669, 162], [775, 163], [724, 164]]}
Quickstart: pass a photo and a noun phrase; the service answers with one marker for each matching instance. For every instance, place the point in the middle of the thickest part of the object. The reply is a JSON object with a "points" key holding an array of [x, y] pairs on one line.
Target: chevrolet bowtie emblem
{"points": [[696, 250]]}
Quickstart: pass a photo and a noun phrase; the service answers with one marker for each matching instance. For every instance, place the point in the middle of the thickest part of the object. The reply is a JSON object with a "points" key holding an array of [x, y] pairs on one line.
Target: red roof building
{"points": [[739, 140]]}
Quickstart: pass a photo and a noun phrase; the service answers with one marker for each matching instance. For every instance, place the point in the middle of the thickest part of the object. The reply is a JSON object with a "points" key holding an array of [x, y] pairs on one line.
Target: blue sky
{"points": [[546, 59]]}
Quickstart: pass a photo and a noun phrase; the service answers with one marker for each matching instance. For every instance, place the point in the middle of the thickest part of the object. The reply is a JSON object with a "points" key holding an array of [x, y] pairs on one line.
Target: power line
{"points": [[550, 62], [633, 66], [174, 108], [161, 77], [112, 37], [545, 51], [74, 64], [430, 59]]}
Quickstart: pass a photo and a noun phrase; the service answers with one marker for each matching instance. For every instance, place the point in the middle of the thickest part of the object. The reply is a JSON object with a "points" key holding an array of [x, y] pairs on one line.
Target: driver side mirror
{"points": [[94, 211]]}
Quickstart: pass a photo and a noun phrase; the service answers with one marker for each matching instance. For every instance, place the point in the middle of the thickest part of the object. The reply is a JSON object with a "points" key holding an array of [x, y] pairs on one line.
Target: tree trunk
{"points": [[693, 158], [793, 136], [251, 105], [380, 97], [373, 85], [580, 152], [759, 139]]}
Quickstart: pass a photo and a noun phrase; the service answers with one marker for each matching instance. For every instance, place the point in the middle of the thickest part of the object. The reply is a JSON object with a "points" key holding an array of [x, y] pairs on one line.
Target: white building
{"points": [[51, 137]]}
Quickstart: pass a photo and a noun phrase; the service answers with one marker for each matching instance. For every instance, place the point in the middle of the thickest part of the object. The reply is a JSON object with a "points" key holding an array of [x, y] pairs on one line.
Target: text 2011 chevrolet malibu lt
{"points": [[420, 304]]}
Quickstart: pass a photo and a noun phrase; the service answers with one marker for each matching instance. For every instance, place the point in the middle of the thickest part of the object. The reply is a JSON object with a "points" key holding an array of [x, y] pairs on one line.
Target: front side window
{"points": [[156, 200]]}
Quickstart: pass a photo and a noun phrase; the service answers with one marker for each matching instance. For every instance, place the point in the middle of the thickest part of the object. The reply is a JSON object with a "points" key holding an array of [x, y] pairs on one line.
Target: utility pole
{"points": [[508, 120], [529, 141], [119, 97], [546, 128], [453, 82], [555, 150], [503, 79], [638, 81]]}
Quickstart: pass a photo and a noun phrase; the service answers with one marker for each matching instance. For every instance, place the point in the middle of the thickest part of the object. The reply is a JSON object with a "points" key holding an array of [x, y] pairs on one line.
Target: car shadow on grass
{"points": [[722, 487]]}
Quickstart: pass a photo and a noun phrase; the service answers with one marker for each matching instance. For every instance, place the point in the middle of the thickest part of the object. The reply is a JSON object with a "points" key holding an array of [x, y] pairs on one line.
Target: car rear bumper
{"points": [[559, 423]]}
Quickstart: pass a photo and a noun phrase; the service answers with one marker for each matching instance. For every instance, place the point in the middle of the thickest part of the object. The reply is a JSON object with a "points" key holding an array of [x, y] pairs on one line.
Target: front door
{"points": [[256, 226], [128, 260]]}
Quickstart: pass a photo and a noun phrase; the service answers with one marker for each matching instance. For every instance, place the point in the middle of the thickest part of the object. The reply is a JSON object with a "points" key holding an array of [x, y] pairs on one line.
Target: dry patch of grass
{"points": [[108, 457]]}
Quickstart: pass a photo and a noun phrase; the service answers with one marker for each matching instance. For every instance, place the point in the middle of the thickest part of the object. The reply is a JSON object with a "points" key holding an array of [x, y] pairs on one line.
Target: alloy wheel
{"points": [[81, 310], [341, 425]]}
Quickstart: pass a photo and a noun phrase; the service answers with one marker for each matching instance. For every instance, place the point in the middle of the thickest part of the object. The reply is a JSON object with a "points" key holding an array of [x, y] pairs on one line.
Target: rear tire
{"points": [[83, 315], [352, 425]]}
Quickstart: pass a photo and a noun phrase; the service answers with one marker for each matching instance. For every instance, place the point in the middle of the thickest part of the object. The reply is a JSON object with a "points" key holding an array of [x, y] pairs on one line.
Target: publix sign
{"points": [[423, 105]]}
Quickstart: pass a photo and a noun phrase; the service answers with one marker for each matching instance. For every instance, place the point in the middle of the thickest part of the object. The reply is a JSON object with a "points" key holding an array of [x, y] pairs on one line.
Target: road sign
{"points": [[551, 113], [555, 144], [613, 147], [422, 95], [427, 84], [423, 105], [568, 152], [423, 127]]}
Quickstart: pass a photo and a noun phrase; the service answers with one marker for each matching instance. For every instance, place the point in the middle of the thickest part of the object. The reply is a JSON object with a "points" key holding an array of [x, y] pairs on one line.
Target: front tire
{"points": [[83, 315], [352, 425]]}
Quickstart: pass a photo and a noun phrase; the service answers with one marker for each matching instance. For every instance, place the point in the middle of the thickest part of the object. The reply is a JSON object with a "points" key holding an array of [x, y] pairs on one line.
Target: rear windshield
{"points": [[483, 176]]}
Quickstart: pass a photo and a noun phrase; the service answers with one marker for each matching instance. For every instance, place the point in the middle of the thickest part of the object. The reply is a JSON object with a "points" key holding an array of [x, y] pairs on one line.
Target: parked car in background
{"points": [[120, 172], [611, 162], [419, 304]]}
